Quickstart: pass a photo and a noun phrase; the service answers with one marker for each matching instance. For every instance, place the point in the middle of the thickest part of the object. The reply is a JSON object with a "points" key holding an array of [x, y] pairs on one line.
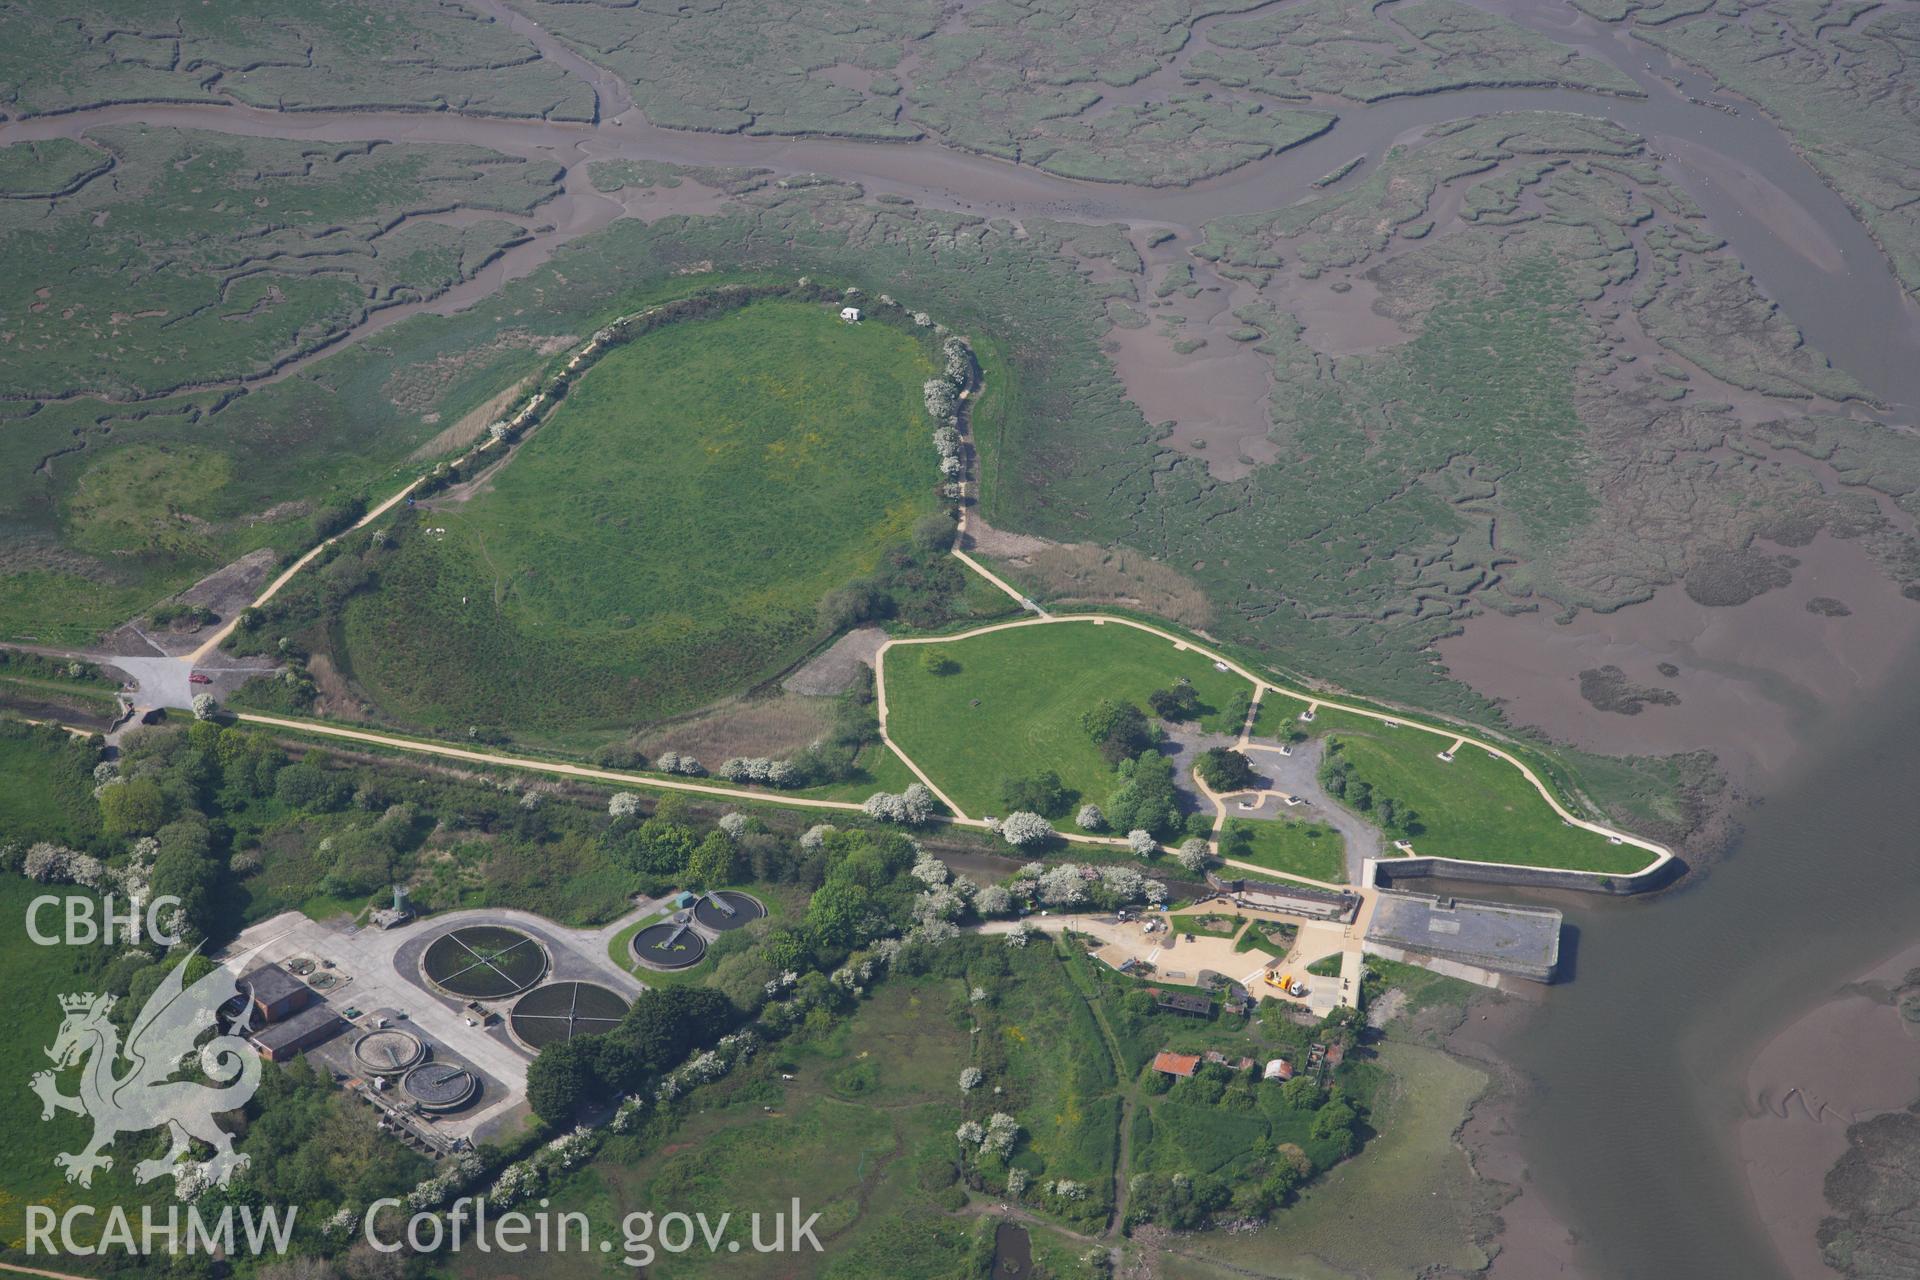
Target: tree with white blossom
{"points": [[884, 806], [1002, 1132], [918, 804], [1063, 886], [1024, 830]]}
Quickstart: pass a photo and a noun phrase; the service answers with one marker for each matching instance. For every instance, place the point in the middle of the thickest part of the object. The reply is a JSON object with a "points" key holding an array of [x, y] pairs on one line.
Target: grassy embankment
{"points": [[1476, 807]]}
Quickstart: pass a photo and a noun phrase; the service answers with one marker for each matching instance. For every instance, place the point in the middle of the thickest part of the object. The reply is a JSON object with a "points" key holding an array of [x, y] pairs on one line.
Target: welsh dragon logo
{"points": [[145, 1095]]}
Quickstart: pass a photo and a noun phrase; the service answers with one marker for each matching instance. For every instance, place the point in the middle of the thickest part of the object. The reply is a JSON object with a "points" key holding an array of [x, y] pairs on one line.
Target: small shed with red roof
{"points": [[1176, 1064]]}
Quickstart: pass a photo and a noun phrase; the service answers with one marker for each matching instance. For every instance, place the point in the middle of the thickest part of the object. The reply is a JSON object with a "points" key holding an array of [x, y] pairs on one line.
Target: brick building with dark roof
{"points": [[277, 994], [312, 1025]]}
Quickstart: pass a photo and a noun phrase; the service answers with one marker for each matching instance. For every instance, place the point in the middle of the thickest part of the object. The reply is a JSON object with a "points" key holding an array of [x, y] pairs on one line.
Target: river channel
{"points": [[1638, 1066], [1796, 236]]}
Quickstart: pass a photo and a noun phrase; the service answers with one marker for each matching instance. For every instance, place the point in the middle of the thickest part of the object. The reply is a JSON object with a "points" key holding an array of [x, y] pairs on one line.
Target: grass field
{"points": [[867, 1118], [1211, 923], [1041, 1044], [38, 977], [1274, 720], [1478, 807], [48, 792], [1032, 686], [1303, 848], [666, 537]]}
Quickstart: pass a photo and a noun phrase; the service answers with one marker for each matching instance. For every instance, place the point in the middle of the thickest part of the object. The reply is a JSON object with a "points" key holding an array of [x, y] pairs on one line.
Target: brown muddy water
{"points": [[1751, 679], [1648, 1068], [1850, 1058]]}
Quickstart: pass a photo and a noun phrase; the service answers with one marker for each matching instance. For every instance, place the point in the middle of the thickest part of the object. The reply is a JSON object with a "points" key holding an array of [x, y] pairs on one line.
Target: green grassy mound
{"points": [[666, 537], [1012, 704]]}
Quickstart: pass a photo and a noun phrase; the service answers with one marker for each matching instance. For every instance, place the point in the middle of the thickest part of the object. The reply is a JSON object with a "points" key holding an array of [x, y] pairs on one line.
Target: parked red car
{"points": [[197, 678]]}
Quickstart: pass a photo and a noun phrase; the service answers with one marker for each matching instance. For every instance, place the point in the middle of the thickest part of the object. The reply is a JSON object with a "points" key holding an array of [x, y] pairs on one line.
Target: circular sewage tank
{"points": [[673, 945], [727, 909], [388, 1051], [441, 1086], [562, 1010], [484, 961]]}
